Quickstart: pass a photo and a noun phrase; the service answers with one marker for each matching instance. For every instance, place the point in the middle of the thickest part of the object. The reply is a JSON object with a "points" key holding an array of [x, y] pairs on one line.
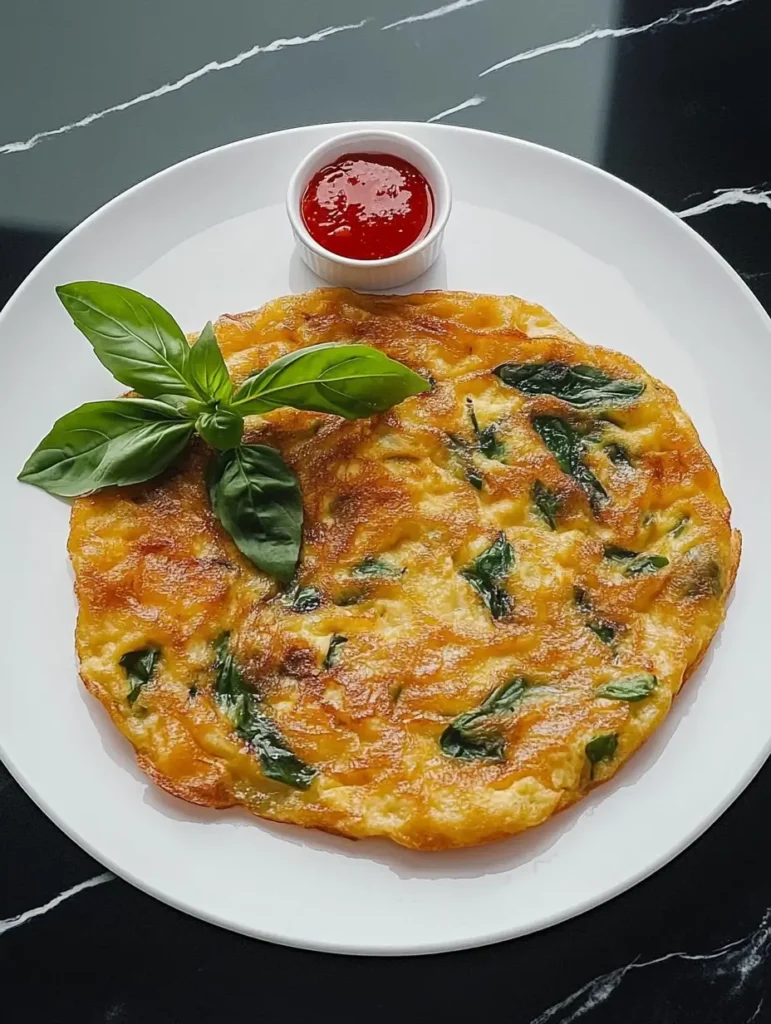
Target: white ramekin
{"points": [[371, 274]]}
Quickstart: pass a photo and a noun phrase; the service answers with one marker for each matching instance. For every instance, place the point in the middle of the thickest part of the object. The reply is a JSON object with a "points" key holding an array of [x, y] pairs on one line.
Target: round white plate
{"points": [[210, 236]]}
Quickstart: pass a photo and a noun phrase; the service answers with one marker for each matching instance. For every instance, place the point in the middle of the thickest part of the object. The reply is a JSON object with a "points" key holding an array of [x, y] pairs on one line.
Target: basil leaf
{"points": [[584, 387], [487, 570], [473, 734], [354, 381], [601, 748], [631, 689], [645, 565], [565, 445], [251, 723], [302, 599], [220, 428], [183, 405], [141, 344], [106, 444], [140, 666], [332, 657], [374, 568], [546, 502], [256, 497], [207, 368]]}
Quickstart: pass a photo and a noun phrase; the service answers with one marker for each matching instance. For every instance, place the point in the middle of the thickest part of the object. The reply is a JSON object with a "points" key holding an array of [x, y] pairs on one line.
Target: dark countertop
{"points": [[98, 95]]}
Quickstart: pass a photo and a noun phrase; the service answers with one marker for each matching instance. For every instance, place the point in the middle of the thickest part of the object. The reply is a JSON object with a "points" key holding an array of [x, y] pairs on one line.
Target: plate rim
{"points": [[570, 911]]}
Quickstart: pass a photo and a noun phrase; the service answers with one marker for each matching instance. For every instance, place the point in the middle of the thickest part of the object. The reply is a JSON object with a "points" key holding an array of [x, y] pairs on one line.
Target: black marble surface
{"points": [[96, 95]]}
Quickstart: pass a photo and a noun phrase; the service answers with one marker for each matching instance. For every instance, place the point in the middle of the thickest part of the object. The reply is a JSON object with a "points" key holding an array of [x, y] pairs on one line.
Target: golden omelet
{"points": [[503, 583]]}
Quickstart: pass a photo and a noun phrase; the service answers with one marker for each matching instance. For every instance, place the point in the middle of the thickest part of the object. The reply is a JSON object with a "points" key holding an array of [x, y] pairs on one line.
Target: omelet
{"points": [[503, 584]]}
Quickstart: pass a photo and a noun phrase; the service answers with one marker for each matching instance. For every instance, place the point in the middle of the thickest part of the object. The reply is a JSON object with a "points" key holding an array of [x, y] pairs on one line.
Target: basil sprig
{"points": [[187, 389]]}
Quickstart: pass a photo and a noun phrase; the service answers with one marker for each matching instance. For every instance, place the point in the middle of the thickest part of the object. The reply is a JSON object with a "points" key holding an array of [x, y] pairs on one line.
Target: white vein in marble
{"points": [[682, 16], [437, 12], [472, 101], [180, 83], [729, 197], [738, 961], [28, 915], [757, 1011]]}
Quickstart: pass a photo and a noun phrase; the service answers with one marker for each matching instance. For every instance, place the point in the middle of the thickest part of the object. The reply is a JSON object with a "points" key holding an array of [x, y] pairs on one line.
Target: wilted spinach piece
{"points": [[681, 525], [645, 565], [631, 689], [472, 414], [616, 554], [242, 706], [486, 571], [375, 568], [584, 387], [334, 650], [601, 748], [603, 630], [473, 734], [139, 666], [618, 454], [463, 451], [302, 599], [639, 564], [565, 445], [546, 502], [488, 442], [475, 478], [704, 574]]}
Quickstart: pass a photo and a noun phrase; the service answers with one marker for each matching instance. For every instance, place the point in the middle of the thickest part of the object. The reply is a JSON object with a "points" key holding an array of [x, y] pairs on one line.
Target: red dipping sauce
{"points": [[368, 206]]}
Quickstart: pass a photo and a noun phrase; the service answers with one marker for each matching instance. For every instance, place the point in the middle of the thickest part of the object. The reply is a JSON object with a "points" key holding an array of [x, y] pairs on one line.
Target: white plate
{"points": [[210, 236]]}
